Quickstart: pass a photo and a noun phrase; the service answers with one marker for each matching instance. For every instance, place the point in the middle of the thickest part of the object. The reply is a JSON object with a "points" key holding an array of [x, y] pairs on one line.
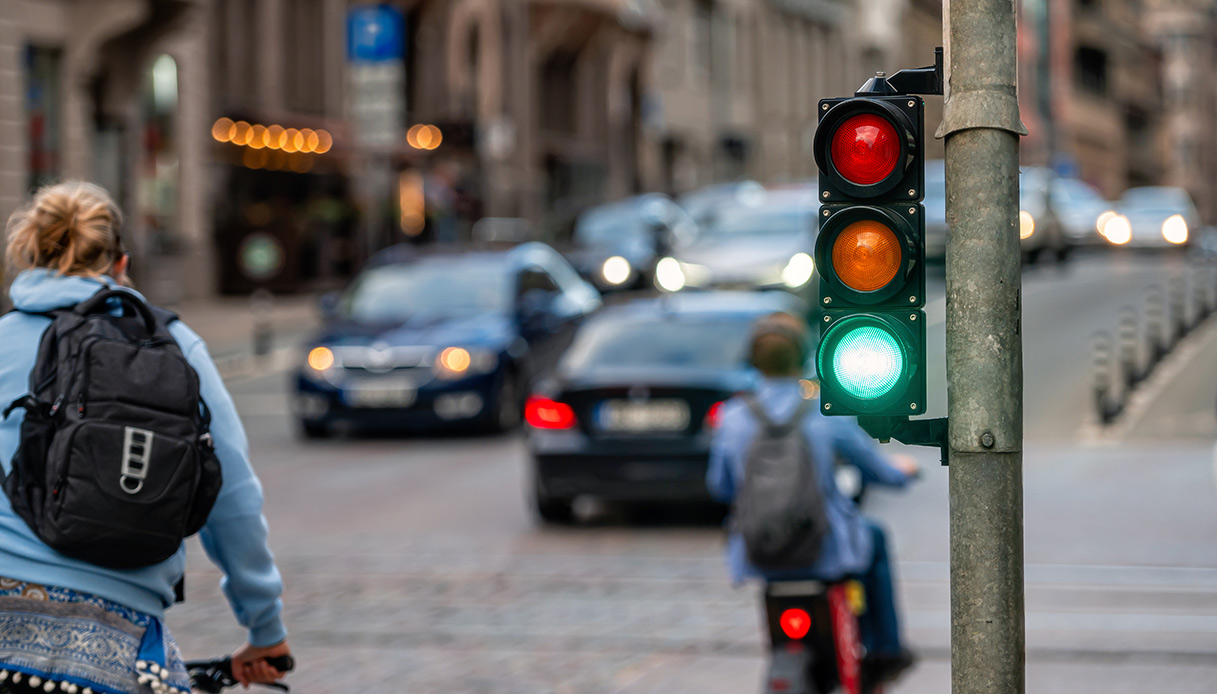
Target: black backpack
{"points": [[779, 508], [116, 464]]}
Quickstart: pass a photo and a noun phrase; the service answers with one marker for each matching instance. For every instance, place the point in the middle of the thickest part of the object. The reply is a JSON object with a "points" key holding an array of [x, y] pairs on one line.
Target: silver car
{"points": [[764, 242], [1079, 207], [1040, 228], [1153, 217]]}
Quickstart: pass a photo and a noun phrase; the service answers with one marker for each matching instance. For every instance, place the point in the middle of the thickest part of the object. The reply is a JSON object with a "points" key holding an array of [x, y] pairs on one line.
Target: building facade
{"points": [[1184, 32], [1089, 92], [100, 91], [734, 84]]}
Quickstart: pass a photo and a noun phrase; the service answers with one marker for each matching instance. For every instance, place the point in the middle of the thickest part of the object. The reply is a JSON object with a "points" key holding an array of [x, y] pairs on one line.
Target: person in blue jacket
{"points": [[79, 627], [855, 546]]}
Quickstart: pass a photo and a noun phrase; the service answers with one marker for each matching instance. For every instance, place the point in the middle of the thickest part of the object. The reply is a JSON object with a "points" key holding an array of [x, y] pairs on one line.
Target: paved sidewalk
{"points": [[228, 326]]}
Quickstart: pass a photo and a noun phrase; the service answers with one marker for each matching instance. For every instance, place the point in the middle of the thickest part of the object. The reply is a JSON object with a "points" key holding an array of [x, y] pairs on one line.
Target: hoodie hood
{"points": [[40, 289]]}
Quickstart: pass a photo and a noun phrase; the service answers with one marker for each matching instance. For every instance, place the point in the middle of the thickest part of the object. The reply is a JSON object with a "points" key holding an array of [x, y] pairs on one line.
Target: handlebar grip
{"points": [[282, 663]]}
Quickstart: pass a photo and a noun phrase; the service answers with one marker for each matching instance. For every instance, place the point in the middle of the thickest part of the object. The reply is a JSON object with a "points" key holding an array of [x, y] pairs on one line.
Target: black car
{"points": [[436, 340], [616, 245], [629, 413]]}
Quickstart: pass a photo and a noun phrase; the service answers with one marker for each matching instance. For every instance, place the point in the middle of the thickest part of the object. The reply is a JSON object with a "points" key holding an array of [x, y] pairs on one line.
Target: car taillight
{"points": [[543, 413], [714, 415], [795, 623], [865, 149]]}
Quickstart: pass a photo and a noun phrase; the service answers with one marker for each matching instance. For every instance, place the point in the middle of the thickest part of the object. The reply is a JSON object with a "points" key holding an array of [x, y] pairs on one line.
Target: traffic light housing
{"points": [[870, 253]]}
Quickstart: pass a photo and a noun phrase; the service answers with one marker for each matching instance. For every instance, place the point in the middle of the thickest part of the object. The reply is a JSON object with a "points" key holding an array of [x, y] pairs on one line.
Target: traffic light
{"points": [[871, 255]]}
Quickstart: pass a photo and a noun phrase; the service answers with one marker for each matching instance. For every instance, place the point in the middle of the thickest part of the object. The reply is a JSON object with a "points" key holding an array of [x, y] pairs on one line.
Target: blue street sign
{"points": [[375, 33]]}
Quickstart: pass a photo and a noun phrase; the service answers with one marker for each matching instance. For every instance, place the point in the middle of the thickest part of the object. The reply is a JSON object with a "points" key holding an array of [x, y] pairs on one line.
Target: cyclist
{"points": [[68, 625], [854, 546]]}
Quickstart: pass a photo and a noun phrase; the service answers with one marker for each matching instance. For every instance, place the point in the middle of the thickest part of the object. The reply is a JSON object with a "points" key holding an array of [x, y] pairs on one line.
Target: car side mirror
{"points": [[328, 304]]}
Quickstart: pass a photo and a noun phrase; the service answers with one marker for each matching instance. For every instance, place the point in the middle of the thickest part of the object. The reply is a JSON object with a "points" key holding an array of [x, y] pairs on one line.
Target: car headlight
{"points": [[321, 364], [798, 271], [1118, 230], [459, 362], [1102, 220], [669, 275], [1026, 224], [321, 359], [616, 271], [1174, 229]]}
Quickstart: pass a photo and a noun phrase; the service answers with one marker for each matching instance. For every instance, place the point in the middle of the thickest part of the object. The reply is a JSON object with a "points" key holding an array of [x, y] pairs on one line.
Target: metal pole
{"points": [[984, 348]]}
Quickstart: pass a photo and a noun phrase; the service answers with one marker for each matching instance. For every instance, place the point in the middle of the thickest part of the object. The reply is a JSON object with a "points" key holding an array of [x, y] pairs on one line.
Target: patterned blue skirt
{"points": [[58, 640]]}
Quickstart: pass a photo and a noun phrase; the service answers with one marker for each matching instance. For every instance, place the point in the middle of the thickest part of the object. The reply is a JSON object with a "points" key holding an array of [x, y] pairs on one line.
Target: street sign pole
{"points": [[376, 77], [984, 347]]}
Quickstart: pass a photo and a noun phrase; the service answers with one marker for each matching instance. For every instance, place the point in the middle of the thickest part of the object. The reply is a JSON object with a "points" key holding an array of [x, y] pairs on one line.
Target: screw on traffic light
{"points": [[871, 253]]}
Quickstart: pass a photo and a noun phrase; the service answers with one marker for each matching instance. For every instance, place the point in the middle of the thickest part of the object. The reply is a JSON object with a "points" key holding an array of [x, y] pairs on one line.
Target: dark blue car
{"points": [[440, 340], [629, 412]]}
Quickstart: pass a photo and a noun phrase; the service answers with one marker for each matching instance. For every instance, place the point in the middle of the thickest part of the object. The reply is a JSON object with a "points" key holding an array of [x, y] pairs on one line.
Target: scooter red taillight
{"points": [[795, 623]]}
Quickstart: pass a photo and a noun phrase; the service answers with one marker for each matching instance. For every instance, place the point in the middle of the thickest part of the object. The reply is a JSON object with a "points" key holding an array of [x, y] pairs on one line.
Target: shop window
{"points": [[558, 94], [1090, 70], [43, 111]]}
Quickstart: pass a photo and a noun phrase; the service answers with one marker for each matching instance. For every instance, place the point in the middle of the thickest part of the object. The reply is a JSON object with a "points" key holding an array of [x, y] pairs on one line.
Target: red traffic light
{"points": [[869, 148], [865, 149], [795, 623]]}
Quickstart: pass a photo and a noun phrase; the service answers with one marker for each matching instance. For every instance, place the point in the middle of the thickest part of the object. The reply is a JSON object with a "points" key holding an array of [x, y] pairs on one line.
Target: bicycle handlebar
{"points": [[212, 676]]}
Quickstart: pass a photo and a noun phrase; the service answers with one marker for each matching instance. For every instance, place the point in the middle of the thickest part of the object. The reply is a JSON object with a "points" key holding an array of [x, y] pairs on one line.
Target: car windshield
{"points": [[1072, 191], [611, 224], [1155, 200], [747, 221], [446, 288], [1032, 185], [702, 343]]}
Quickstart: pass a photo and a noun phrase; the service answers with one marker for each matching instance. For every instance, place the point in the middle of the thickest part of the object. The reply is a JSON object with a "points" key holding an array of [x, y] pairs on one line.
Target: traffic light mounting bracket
{"points": [[914, 432], [926, 80]]}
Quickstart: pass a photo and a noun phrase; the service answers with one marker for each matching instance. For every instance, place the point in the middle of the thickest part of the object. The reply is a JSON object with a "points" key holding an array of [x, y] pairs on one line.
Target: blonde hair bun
{"points": [[70, 227]]}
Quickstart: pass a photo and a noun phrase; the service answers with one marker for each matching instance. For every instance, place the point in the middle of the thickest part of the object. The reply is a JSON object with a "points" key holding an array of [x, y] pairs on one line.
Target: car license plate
{"points": [[649, 415], [381, 394]]}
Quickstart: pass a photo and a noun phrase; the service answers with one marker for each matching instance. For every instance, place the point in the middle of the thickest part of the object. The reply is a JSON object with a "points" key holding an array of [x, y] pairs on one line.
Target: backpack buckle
{"points": [[137, 450]]}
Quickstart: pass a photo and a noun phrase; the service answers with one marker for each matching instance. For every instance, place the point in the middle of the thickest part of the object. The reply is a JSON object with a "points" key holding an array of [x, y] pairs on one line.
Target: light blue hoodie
{"points": [[235, 534]]}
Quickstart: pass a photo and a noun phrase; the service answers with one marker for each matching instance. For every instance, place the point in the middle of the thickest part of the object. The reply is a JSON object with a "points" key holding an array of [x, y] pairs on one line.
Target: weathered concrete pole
{"points": [[984, 347]]}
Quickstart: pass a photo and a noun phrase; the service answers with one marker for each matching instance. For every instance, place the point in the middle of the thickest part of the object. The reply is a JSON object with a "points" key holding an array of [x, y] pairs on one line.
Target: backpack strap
{"points": [[163, 315], [776, 428], [99, 303]]}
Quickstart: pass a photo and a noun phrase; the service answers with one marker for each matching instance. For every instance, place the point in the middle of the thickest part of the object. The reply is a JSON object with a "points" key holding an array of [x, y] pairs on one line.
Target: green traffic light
{"points": [[868, 362], [872, 363]]}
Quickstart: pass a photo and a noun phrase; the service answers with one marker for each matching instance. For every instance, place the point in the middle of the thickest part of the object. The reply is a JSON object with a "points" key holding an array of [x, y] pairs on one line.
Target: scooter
{"points": [[814, 643]]}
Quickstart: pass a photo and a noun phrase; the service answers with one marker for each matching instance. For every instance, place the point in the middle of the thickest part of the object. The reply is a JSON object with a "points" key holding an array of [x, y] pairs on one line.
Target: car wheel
{"points": [[314, 430], [507, 405], [549, 509]]}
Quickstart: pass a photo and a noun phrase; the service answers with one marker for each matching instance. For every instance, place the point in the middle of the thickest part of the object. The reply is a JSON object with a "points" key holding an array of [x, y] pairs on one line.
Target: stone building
{"points": [[734, 83], [100, 90], [1185, 34], [1089, 92]]}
